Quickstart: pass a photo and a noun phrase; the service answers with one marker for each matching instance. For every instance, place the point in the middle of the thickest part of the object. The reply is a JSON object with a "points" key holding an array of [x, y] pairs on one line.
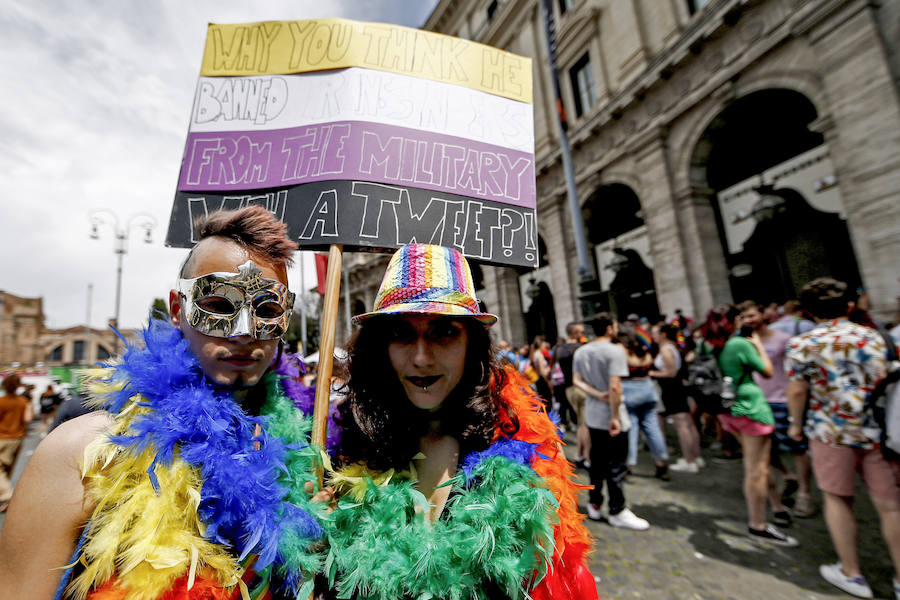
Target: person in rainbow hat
{"points": [[450, 476]]}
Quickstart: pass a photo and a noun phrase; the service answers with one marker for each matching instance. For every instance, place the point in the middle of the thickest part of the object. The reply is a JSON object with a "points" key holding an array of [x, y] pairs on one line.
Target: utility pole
{"points": [[587, 281]]}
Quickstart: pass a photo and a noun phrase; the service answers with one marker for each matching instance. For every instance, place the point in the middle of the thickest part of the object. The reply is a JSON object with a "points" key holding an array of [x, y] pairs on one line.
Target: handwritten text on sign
{"points": [[357, 150], [281, 47], [356, 94], [371, 215]]}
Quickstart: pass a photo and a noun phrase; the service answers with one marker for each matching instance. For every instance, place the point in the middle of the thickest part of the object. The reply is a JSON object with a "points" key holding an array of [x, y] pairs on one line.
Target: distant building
{"points": [[25, 342], [723, 150], [21, 325]]}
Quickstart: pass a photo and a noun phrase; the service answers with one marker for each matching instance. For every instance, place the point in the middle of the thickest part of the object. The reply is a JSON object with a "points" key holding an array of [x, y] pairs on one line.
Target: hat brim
{"points": [[428, 308]]}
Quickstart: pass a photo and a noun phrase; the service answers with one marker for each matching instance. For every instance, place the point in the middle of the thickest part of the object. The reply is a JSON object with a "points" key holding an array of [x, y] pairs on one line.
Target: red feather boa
{"points": [[569, 577]]}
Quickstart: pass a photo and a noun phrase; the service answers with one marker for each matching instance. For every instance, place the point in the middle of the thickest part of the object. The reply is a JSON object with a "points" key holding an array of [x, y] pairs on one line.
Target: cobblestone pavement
{"points": [[696, 547]]}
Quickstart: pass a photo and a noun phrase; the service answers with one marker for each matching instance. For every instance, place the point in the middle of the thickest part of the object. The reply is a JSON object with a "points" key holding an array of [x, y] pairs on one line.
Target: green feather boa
{"points": [[498, 528]]}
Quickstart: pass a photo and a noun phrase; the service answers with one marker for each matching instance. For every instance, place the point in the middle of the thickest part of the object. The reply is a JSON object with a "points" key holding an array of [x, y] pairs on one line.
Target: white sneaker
{"points": [[855, 586], [594, 512], [682, 466], [700, 462], [896, 590], [628, 520]]}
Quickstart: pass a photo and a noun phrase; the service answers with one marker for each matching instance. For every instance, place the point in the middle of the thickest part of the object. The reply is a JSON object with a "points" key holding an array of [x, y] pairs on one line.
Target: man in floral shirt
{"points": [[835, 366]]}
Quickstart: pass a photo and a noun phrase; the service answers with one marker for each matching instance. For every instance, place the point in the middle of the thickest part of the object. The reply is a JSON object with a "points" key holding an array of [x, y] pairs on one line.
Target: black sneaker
{"points": [[772, 535], [662, 473], [790, 488], [782, 518]]}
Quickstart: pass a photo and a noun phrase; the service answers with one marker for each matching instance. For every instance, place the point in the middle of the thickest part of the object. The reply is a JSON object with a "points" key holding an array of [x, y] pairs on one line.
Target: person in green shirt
{"points": [[751, 422]]}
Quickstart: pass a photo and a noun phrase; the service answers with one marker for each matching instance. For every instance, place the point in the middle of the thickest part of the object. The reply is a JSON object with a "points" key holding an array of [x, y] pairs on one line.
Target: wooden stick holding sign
{"points": [[327, 326]]}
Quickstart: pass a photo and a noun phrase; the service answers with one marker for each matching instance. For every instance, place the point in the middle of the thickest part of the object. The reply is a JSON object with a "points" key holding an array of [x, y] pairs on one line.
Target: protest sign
{"points": [[374, 216], [354, 94], [366, 135], [282, 47]]}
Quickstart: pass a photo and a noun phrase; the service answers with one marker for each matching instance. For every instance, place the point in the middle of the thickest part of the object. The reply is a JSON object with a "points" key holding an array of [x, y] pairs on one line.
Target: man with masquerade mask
{"points": [[195, 479]]}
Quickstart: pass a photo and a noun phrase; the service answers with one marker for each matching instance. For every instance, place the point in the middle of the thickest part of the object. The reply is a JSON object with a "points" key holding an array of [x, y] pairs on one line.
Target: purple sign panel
{"points": [[357, 150]]}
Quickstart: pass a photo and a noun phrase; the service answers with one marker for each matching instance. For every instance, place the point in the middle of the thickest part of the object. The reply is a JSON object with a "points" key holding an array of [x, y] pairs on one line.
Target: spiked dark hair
{"points": [[254, 228]]}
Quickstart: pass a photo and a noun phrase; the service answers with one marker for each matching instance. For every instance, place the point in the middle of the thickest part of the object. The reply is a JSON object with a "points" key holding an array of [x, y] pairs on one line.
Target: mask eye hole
{"points": [[268, 309], [215, 305]]}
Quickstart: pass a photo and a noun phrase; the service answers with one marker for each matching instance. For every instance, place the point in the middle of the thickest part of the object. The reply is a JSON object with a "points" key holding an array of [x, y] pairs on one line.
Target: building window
{"points": [[78, 351], [582, 78], [565, 6], [102, 353], [695, 6], [55, 355]]}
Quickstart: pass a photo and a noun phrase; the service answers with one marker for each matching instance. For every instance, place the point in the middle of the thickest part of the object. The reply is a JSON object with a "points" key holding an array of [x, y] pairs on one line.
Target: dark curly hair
{"points": [[382, 428]]}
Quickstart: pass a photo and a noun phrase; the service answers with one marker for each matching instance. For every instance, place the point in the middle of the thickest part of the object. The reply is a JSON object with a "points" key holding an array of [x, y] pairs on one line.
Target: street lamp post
{"points": [[103, 216]]}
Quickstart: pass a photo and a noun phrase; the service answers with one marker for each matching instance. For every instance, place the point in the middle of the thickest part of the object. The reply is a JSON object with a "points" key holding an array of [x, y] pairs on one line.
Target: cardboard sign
{"points": [[282, 102], [242, 160], [372, 216], [370, 136], [282, 47]]}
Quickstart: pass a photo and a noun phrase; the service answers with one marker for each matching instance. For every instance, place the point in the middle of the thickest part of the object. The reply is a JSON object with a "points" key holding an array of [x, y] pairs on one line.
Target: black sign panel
{"points": [[373, 216]]}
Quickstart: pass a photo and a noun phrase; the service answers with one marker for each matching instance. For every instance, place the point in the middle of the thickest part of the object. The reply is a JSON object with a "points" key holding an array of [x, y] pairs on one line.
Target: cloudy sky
{"points": [[98, 96]]}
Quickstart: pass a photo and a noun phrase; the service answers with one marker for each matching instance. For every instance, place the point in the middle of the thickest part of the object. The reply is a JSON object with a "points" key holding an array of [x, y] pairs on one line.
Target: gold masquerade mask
{"points": [[233, 304]]}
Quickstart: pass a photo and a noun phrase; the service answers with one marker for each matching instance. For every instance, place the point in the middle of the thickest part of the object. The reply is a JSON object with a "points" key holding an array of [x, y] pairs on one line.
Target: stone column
{"points": [[704, 257], [504, 281], [862, 130], [565, 289], [670, 271]]}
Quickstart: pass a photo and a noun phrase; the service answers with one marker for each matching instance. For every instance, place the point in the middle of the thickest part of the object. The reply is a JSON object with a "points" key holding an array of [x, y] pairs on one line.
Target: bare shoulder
{"points": [[72, 437], [48, 509]]}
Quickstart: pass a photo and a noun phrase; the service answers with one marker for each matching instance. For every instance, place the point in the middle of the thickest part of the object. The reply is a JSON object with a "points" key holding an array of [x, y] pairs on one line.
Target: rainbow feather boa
{"points": [[513, 523], [184, 488]]}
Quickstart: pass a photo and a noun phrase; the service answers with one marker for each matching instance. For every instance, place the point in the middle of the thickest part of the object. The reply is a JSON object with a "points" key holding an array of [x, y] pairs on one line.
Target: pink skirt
{"points": [[744, 425]]}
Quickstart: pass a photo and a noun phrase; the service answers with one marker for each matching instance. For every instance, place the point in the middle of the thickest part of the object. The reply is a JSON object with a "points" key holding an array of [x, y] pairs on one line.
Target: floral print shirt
{"points": [[842, 362]]}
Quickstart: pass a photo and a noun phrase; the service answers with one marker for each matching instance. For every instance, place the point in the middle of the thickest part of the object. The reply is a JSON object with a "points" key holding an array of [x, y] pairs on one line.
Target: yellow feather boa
{"points": [[145, 539]]}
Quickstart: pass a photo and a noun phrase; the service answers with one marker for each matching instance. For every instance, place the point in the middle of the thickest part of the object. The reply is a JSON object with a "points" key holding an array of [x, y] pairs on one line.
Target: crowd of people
{"points": [[791, 390]]}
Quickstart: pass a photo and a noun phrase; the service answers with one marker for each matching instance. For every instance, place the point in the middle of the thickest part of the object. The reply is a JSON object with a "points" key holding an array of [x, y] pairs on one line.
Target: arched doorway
{"points": [[537, 298], [615, 226], [777, 204]]}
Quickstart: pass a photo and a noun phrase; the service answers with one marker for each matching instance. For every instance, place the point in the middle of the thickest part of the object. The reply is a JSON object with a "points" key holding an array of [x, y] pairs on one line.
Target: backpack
{"points": [[885, 403], [705, 384]]}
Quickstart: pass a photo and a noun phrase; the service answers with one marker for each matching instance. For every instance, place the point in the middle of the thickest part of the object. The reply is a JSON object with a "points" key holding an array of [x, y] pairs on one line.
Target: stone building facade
{"points": [[21, 324], [25, 341], [722, 149]]}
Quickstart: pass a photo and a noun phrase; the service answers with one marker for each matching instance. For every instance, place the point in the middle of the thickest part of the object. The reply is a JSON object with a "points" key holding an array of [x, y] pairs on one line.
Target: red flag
{"points": [[321, 270]]}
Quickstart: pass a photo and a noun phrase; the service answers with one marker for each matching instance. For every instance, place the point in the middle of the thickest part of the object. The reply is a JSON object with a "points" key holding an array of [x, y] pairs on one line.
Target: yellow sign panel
{"points": [[283, 47]]}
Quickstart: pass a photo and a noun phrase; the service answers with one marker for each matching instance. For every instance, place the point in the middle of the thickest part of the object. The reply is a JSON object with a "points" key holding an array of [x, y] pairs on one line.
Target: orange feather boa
{"points": [[568, 577]]}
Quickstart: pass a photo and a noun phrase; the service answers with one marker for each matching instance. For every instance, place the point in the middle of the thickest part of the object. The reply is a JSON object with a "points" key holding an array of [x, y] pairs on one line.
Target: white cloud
{"points": [[96, 98]]}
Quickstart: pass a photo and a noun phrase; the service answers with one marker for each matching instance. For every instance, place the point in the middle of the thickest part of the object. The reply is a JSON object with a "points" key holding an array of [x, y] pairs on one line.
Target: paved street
{"points": [[25, 452], [696, 547]]}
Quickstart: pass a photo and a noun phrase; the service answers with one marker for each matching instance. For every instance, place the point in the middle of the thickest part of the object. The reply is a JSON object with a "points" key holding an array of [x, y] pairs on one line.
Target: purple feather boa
{"points": [[291, 367]]}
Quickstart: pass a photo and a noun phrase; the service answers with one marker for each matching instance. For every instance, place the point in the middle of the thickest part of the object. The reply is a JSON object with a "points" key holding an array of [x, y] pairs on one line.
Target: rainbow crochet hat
{"points": [[428, 279]]}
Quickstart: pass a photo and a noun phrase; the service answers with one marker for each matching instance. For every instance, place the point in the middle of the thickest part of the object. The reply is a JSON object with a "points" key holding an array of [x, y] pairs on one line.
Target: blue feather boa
{"points": [[252, 497]]}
